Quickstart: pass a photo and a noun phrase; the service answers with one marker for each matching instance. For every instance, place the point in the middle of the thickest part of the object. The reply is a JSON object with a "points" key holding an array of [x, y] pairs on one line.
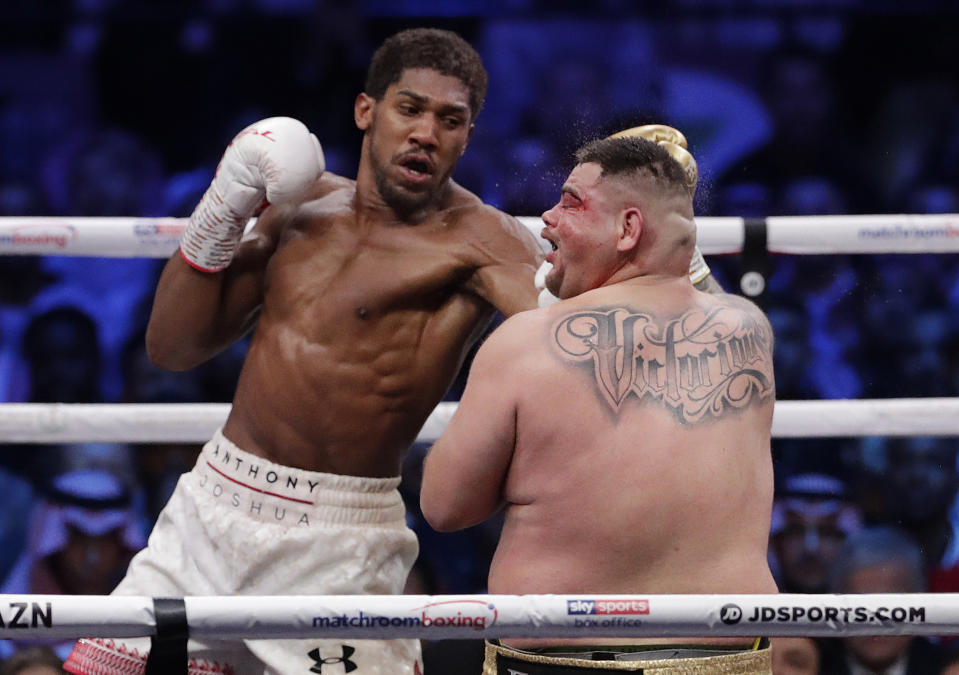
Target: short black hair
{"points": [[441, 50], [625, 155]]}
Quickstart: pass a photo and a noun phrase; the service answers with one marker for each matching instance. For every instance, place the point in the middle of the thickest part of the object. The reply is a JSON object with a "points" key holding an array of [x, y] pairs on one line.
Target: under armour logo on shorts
{"points": [[348, 666]]}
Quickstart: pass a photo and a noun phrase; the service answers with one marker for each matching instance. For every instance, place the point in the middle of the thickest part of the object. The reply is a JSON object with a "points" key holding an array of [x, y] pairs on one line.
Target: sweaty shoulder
{"points": [[329, 194], [750, 310], [492, 234], [329, 183], [508, 347]]}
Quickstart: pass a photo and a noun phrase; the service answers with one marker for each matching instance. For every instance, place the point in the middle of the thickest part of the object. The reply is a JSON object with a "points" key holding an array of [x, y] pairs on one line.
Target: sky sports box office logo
{"points": [[606, 607]]}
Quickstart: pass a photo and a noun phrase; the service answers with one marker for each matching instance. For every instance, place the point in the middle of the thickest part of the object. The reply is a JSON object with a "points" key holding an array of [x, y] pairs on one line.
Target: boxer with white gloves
{"points": [[674, 142], [273, 161], [363, 298]]}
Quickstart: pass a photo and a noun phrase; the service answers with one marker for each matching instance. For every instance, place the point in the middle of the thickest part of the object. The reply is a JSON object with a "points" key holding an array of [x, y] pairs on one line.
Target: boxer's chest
{"points": [[365, 273]]}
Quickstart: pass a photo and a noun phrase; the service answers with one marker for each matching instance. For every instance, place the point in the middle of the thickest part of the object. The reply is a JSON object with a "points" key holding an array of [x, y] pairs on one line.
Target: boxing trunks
{"points": [[239, 525], [650, 660]]}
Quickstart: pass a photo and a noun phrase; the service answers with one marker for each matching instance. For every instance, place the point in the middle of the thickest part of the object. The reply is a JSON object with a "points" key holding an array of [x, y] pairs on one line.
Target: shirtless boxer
{"points": [[626, 428], [364, 297]]}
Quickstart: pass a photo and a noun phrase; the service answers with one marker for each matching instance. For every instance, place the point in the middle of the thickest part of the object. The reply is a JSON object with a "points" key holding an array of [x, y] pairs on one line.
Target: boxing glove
{"points": [[545, 298], [673, 141], [273, 161]]}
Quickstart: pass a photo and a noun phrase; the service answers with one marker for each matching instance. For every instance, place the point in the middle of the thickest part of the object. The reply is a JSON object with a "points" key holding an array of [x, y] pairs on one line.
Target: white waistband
{"points": [[329, 497]]}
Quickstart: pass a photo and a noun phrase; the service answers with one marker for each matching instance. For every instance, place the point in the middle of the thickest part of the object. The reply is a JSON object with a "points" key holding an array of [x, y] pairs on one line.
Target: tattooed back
{"points": [[641, 461]]}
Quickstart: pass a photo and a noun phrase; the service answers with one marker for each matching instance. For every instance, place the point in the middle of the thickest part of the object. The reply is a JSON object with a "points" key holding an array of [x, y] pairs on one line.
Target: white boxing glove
{"points": [[272, 161], [545, 297], [698, 269]]}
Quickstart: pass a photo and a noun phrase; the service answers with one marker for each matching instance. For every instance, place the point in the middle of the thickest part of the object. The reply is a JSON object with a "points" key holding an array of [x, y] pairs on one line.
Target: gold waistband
{"points": [[737, 661]]}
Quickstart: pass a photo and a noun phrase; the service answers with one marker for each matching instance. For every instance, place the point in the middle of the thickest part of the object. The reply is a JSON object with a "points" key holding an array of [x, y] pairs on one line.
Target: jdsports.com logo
{"points": [[731, 614]]}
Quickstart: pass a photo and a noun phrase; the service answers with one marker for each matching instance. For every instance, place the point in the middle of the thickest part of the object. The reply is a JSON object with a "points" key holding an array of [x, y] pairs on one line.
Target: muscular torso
{"points": [[645, 474], [364, 324]]}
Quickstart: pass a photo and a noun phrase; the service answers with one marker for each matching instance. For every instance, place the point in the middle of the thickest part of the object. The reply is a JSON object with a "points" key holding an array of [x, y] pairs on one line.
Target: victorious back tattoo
{"points": [[700, 365]]}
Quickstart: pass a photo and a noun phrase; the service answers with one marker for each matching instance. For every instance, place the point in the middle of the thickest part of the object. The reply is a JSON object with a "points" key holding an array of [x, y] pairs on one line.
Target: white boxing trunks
{"points": [[239, 525]]}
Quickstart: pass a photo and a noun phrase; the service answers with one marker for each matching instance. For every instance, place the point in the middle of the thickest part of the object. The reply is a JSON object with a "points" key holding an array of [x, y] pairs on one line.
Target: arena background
{"points": [[122, 108]]}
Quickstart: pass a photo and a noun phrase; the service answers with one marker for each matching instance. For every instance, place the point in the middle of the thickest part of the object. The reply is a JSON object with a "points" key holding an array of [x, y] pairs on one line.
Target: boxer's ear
{"points": [[630, 229], [363, 111]]}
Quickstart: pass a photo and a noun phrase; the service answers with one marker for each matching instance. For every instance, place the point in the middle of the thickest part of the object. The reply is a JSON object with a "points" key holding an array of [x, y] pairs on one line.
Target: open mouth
{"points": [[550, 258], [416, 168], [543, 235]]}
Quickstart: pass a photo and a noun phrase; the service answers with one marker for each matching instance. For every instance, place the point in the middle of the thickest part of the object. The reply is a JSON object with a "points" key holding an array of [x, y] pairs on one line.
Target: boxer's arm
{"points": [[197, 314], [210, 292], [509, 256], [465, 471]]}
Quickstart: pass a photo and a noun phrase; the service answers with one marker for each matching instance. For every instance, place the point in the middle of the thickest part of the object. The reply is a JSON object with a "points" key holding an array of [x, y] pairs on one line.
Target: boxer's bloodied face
{"points": [[581, 229], [414, 136]]}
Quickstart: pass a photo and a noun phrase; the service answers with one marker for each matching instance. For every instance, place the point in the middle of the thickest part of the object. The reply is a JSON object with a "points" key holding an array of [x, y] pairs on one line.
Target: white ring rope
{"points": [[158, 237], [488, 616], [196, 422]]}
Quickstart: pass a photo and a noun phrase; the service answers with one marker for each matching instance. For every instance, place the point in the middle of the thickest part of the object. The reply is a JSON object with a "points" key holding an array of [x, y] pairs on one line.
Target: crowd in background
{"points": [[122, 108]]}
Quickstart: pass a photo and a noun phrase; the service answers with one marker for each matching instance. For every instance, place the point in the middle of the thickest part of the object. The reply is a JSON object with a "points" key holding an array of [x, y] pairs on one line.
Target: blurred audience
{"points": [[951, 666], [159, 465], [81, 536], [918, 482], [16, 489], [33, 661], [106, 172], [812, 516], [880, 560], [62, 351], [793, 352], [804, 103], [795, 656]]}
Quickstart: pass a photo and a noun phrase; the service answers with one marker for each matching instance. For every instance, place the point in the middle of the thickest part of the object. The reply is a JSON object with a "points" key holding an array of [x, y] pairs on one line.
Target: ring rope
{"points": [[196, 422], [488, 616], [159, 237]]}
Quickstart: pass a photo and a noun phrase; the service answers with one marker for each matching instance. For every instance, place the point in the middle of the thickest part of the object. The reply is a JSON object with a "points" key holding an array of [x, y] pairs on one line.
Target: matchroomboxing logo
{"points": [[41, 235], [457, 613], [910, 232], [474, 614]]}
